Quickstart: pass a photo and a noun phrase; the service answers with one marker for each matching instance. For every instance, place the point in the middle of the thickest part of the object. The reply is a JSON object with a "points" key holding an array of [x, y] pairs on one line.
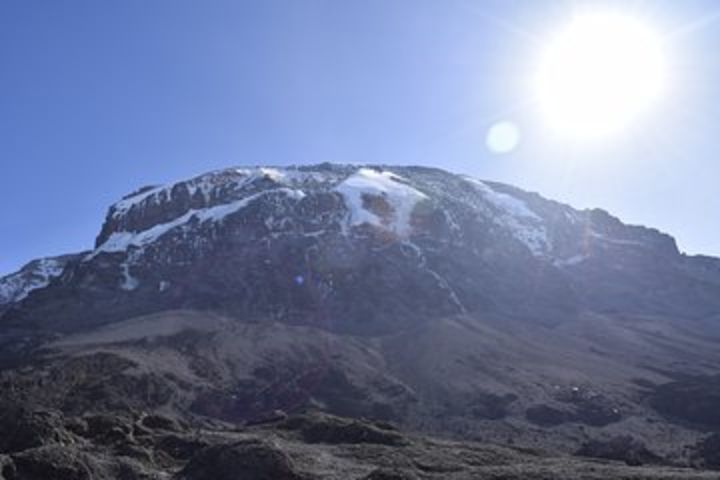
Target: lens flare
{"points": [[503, 137]]}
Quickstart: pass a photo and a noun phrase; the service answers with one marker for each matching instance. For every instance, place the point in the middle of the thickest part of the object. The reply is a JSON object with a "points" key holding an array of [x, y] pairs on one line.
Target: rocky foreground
{"points": [[42, 444]]}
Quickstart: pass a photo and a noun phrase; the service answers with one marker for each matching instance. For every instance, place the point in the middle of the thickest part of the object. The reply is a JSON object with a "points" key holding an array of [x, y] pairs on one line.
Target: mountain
{"points": [[303, 447], [36, 274], [449, 305]]}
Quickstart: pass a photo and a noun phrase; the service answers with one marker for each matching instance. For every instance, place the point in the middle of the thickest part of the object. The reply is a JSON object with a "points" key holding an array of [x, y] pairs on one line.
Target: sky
{"points": [[98, 98]]}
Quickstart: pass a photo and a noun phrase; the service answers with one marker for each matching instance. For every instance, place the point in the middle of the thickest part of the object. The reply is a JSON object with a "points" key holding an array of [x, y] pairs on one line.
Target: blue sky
{"points": [[100, 97]]}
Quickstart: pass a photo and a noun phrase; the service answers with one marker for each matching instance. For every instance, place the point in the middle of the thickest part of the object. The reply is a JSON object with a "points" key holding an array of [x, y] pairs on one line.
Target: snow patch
{"points": [[251, 174], [234, 179], [504, 202], [123, 206], [616, 241], [18, 285], [516, 217], [205, 184], [129, 282], [571, 261], [273, 174], [121, 241], [400, 197]]}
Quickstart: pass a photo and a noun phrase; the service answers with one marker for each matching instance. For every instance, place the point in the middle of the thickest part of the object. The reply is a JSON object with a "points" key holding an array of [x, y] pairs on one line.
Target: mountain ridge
{"points": [[199, 197]]}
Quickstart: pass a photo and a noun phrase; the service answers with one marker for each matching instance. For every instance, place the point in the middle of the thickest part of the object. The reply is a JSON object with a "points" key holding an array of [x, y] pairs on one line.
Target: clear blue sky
{"points": [[100, 97]]}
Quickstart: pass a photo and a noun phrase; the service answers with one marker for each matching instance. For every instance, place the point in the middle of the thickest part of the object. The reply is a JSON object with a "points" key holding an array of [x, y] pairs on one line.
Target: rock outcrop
{"points": [[281, 451]]}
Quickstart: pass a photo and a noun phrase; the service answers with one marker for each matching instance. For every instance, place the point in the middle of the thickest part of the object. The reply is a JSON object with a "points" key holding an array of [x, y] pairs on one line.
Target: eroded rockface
{"points": [[363, 250]]}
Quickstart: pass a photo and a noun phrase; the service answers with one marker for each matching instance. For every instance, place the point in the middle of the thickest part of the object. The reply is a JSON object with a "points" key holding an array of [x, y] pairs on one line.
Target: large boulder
{"points": [[54, 462], [252, 459], [623, 448], [7, 467], [324, 428], [25, 427]]}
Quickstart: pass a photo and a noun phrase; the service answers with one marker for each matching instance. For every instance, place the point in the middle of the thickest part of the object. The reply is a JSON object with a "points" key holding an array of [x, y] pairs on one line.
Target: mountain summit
{"points": [[439, 301], [361, 250]]}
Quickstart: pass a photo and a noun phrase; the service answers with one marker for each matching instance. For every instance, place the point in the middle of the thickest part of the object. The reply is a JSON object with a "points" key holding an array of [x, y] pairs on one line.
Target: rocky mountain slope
{"points": [[36, 274], [308, 447], [453, 306]]}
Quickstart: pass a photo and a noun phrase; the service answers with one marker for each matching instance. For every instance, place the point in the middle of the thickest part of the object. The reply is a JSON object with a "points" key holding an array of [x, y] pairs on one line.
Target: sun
{"points": [[598, 74]]}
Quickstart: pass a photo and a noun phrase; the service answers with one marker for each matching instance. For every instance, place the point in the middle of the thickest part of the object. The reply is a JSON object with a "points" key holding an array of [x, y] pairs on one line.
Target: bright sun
{"points": [[598, 74]]}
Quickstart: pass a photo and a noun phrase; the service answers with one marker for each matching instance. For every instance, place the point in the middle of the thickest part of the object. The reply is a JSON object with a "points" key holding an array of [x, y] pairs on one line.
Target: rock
{"points": [[597, 415], [23, 428], [7, 467], [179, 447], [247, 460], [33, 276], [624, 448], [489, 406], [390, 474], [138, 430], [320, 446], [547, 416], [324, 428], [77, 425], [589, 411], [136, 452], [54, 462], [109, 428], [160, 422], [694, 399], [590, 407], [57, 462], [271, 417], [706, 453]]}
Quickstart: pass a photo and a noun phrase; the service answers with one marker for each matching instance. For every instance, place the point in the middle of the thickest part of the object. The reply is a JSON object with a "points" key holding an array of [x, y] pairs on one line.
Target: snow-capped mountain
{"points": [[384, 198], [36, 274], [308, 239], [444, 302]]}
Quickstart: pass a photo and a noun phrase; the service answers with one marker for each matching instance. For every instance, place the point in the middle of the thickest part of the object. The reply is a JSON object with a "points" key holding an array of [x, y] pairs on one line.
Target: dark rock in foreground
{"points": [[251, 459], [306, 447]]}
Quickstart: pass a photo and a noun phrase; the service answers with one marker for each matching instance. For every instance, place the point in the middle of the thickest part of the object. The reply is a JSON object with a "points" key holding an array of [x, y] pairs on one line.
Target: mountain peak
{"points": [[343, 228], [382, 196]]}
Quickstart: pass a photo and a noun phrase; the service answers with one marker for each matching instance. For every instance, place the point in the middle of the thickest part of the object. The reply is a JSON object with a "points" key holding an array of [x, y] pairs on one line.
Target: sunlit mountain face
{"points": [[441, 303]]}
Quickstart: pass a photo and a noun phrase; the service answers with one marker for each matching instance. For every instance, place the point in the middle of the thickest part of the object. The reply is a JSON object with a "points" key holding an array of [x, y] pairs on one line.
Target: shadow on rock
{"points": [[247, 460], [324, 428], [623, 448]]}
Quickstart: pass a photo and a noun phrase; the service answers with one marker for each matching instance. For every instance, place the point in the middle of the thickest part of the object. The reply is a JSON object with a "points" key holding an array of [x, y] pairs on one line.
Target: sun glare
{"points": [[598, 74]]}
